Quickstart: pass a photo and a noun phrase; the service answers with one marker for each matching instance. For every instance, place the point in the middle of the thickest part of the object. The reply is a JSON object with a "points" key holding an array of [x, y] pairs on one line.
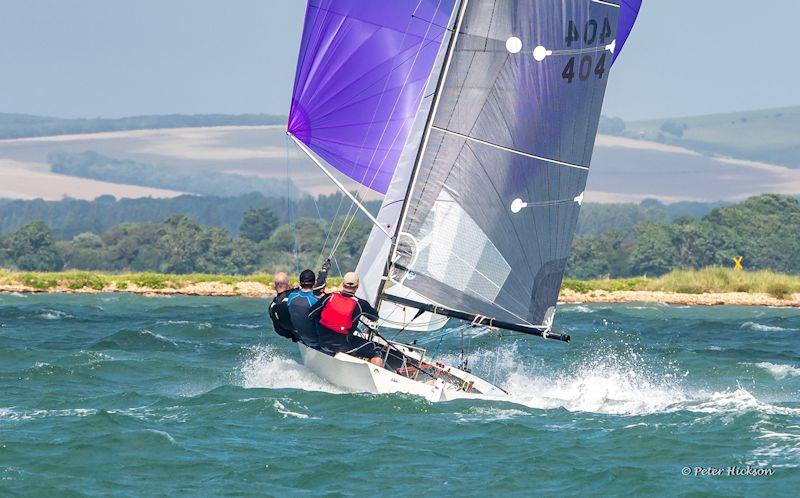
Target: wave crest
{"points": [[264, 367]]}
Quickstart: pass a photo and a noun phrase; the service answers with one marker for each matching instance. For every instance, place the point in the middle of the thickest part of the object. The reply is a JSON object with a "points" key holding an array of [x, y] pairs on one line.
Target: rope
{"points": [[363, 186], [292, 221], [327, 238]]}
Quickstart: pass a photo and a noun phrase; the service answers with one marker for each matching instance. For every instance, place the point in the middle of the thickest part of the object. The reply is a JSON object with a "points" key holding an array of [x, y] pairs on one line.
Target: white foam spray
{"points": [[264, 367], [779, 371], [760, 327]]}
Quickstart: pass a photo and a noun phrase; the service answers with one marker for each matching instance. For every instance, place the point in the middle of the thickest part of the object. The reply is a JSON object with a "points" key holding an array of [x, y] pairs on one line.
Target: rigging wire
{"points": [[348, 219], [292, 221], [327, 238]]}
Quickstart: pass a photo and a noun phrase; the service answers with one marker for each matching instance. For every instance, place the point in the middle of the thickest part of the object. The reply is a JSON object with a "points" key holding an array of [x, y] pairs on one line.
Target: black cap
{"points": [[307, 277]]}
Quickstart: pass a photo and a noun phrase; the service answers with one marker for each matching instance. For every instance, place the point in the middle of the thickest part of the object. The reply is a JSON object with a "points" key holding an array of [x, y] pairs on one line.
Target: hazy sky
{"points": [[85, 58]]}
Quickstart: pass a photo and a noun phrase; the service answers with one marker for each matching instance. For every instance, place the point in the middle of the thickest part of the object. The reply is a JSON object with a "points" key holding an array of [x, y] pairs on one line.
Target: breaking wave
{"points": [[578, 308], [609, 382], [765, 328], [264, 367], [54, 315], [779, 371], [133, 340], [614, 383]]}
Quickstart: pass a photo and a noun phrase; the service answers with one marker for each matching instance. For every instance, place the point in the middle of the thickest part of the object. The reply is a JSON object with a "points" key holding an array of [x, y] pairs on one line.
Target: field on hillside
{"points": [[623, 170], [771, 135], [258, 151]]}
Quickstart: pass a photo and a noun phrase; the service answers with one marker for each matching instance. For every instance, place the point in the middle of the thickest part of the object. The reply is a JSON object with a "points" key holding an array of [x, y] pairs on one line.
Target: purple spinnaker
{"points": [[361, 74], [629, 11]]}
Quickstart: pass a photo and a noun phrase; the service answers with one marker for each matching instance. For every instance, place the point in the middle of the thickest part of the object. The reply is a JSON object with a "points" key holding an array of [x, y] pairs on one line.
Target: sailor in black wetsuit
{"points": [[301, 300], [279, 308]]}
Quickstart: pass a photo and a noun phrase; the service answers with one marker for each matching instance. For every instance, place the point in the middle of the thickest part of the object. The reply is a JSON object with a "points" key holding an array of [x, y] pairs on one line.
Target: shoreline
{"points": [[680, 299], [567, 296]]}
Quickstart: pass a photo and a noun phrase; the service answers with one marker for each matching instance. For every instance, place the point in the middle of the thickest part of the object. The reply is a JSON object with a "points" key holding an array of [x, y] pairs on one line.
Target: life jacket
{"points": [[337, 315]]}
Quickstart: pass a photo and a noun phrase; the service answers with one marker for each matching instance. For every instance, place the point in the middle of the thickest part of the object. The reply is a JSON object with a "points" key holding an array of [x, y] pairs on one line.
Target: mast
{"points": [[424, 144]]}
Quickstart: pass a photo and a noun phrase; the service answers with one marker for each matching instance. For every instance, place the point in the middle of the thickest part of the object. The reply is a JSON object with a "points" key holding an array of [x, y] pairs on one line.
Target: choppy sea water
{"points": [[130, 395]]}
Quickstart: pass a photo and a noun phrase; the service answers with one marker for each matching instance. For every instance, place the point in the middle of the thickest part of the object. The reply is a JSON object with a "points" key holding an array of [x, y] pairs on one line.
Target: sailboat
{"points": [[475, 120]]}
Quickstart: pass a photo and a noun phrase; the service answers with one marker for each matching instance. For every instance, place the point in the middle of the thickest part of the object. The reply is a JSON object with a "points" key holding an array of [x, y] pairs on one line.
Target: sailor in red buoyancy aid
{"points": [[337, 315]]}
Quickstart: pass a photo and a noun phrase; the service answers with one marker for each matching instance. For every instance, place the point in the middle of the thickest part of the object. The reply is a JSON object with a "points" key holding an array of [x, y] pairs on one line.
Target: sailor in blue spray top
{"points": [[301, 301]]}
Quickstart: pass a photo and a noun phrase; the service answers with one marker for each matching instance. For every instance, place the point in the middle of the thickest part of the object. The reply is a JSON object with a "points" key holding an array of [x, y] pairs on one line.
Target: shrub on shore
{"points": [[708, 280]]}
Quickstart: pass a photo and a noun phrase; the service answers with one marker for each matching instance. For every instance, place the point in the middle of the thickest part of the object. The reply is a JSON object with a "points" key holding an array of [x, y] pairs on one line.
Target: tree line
{"points": [[763, 230], [179, 245], [70, 217]]}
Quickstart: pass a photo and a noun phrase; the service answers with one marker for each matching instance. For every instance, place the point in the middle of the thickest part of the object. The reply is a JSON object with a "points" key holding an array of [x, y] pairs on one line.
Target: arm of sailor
{"points": [[322, 276], [366, 310], [316, 308]]}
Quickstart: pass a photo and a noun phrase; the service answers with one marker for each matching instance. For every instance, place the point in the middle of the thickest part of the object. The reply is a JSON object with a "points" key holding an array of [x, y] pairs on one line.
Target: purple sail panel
{"points": [[363, 68], [629, 11]]}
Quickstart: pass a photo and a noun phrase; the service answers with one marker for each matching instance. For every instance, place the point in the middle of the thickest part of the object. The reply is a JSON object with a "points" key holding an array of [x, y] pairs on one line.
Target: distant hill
{"points": [[95, 166], [597, 219], [771, 135], [665, 165], [25, 126]]}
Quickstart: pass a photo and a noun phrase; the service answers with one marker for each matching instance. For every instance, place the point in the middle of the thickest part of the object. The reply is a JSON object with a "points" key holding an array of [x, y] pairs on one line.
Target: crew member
{"points": [[301, 300], [337, 315], [279, 308]]}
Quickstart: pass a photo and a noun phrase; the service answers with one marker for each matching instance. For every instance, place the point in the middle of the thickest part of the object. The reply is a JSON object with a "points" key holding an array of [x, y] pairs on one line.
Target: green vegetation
{"points": [[708, 280], [52, 281], [726, 280], [24, 125], [258, 224], [771, 135], [181, 246], [704, 281], [70, 217], [763, 230], [98, 167], [596, 219]]}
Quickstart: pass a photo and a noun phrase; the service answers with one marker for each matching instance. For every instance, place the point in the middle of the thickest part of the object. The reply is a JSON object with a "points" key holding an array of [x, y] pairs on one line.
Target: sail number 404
{"points": [[584, 67], [591, 31]]}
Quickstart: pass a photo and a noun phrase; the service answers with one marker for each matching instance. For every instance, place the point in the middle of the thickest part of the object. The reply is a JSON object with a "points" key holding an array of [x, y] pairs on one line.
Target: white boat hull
{"points": [[357, 375]]}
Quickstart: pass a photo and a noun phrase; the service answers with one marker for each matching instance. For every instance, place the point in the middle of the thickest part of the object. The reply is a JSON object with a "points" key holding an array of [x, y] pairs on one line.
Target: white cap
{"points": [[350, 279]]}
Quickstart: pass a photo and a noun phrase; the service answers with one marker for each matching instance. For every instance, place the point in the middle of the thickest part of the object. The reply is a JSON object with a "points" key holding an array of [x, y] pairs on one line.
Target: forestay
{"points": [[494, 199]]}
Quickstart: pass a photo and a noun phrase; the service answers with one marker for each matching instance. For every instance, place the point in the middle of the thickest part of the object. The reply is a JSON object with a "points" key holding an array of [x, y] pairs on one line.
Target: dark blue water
{"points": [[129, 395]]}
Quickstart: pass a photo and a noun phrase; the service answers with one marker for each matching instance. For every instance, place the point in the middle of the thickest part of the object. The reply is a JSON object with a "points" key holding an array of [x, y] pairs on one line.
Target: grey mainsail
{"points": [[498, 184]]}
